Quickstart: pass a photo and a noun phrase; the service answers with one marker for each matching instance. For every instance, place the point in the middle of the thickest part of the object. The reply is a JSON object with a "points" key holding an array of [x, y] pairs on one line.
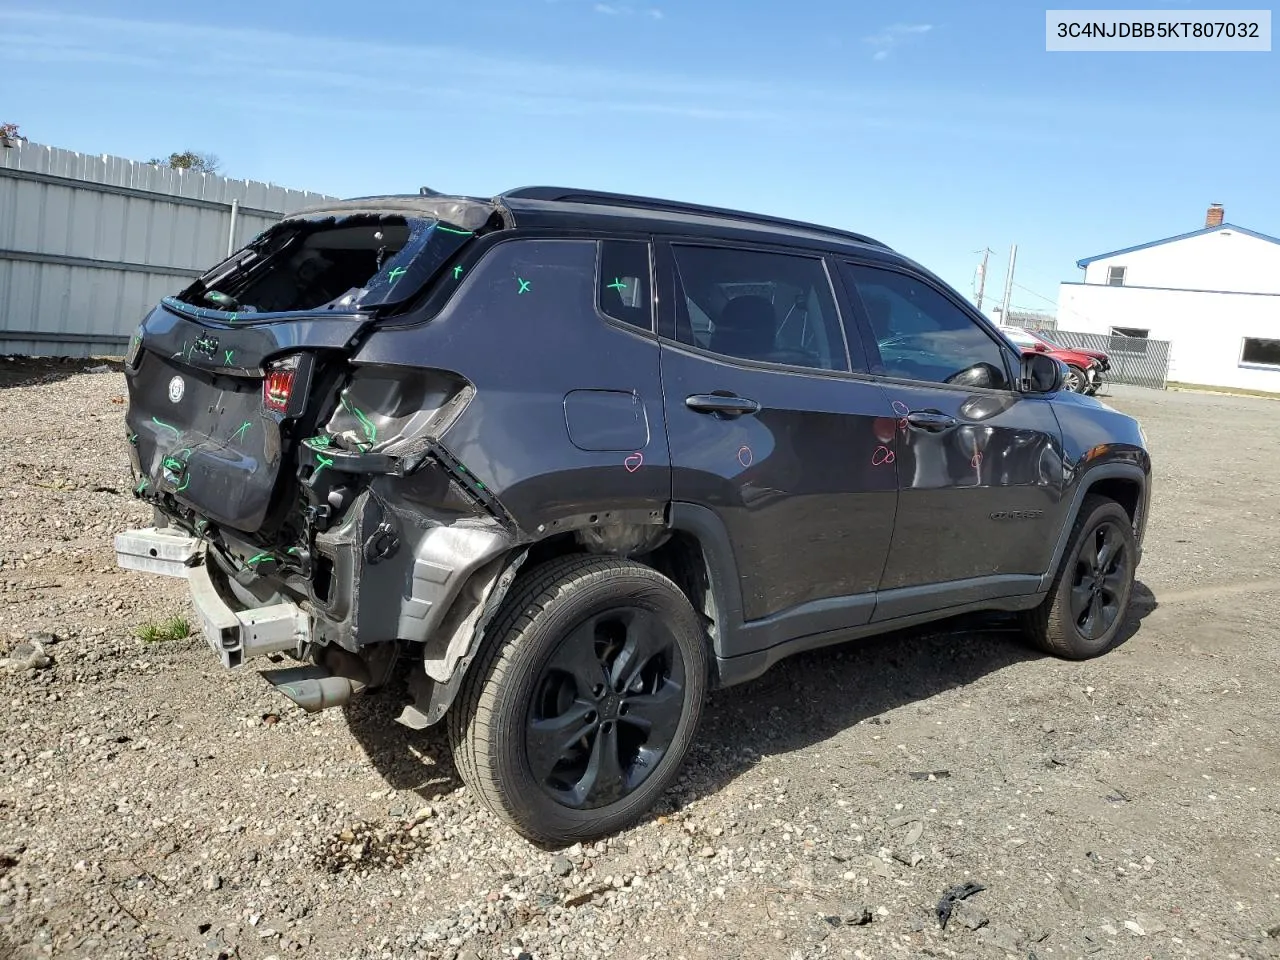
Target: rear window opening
{"points": [[327, 262]]}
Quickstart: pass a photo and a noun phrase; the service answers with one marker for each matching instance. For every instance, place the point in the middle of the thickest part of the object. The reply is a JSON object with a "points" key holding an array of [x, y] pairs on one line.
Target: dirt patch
{"points": [[155, 805]]}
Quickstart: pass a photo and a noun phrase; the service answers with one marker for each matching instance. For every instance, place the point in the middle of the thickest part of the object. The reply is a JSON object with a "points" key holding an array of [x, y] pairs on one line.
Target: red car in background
{"points": [[1084, 367]]}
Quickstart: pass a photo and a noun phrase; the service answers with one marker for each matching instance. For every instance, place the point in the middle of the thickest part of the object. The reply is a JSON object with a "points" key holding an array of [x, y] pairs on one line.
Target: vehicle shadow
{"points": [[417, 760], [801, 701], [809, 698]]}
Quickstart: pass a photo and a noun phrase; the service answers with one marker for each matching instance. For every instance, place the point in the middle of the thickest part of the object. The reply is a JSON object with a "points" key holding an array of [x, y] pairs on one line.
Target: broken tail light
{"points": [[277, 388]]}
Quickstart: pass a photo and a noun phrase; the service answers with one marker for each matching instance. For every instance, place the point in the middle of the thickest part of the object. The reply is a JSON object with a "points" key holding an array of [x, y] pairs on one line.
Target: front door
{"points": [[979, 465], [771, 427]]}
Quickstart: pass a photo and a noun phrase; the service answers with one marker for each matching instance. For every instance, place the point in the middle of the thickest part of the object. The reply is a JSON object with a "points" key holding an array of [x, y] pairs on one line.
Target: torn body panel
{"points": [[368, 482]]}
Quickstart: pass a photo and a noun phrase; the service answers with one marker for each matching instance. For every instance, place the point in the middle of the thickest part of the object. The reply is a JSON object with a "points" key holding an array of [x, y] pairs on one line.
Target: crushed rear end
{"points": [[308, 500]]}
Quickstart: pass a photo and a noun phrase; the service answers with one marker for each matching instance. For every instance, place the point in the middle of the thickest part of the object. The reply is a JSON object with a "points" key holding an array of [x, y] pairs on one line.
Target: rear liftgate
{"points": [[311, 518]]}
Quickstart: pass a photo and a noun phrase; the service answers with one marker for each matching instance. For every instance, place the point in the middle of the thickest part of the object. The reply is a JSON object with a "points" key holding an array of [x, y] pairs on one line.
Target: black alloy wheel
{"points": [[606, 708], [1087, 604], [1102, 580], [584, 700]]}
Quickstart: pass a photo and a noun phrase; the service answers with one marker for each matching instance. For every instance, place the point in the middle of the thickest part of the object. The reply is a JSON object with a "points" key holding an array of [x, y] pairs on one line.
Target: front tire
{"points": [[584, 704], [1075, 379], [1088, 602]]}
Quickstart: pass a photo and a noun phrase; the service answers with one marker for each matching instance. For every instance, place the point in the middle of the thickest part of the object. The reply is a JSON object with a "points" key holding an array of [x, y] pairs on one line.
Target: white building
{"points": [[1214, 294]]}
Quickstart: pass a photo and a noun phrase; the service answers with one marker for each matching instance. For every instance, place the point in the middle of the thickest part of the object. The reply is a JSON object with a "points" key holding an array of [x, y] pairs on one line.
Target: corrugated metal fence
{"points": [[89, 244], [1135, 360]]}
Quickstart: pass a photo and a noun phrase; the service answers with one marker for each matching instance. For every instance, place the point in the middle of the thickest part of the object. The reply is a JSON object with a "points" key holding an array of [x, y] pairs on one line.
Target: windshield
{"points": [[302, 265]]}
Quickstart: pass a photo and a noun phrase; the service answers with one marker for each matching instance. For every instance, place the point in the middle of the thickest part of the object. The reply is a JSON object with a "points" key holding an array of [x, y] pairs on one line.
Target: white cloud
{"points": [[890, 37], [609, 10], [369, 81]]}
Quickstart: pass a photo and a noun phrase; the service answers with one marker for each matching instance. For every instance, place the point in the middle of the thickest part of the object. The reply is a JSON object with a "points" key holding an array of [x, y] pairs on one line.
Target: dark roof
{"points": [[1182, 236], [534, 198], [560, 206]]}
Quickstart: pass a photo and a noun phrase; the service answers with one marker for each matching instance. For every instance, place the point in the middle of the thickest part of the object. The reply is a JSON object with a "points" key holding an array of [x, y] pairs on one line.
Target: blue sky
{"points": [[940, 128]]}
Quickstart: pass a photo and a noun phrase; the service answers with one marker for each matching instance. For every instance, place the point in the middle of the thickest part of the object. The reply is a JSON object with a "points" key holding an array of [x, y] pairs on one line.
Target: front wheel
{"points": [[584, 705], [1075, 379], [1086, 606]]}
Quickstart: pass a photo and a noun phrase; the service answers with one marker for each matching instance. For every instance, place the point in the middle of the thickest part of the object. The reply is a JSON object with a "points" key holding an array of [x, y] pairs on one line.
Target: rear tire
{"points": [[583, 705], [1087, 605]]}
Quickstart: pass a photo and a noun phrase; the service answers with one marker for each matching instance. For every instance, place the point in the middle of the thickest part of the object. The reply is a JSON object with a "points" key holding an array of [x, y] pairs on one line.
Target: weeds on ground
{"points": [[175, 628]]}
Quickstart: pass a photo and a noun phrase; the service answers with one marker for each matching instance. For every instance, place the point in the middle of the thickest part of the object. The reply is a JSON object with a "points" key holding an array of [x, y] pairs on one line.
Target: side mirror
{"points": [[1041, 373]]}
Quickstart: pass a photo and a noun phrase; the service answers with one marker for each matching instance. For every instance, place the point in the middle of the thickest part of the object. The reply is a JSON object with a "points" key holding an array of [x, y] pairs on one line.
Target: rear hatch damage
{"points": [[251, 430]]}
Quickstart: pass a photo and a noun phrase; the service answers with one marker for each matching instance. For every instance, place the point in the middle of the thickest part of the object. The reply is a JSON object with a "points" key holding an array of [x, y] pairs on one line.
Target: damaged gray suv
{"points": [[567, 460]]}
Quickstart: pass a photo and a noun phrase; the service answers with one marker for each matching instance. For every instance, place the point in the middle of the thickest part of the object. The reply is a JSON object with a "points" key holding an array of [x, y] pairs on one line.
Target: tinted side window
{"points": [[622, 282], [924, 336], [752, 305]]}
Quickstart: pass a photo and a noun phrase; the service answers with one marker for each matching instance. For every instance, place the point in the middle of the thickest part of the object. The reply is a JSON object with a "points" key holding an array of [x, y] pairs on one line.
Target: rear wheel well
{"points": [[680, 557]]}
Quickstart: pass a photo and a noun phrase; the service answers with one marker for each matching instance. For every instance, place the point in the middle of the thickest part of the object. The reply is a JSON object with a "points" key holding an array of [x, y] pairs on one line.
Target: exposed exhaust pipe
{"points": [[321, 686]]}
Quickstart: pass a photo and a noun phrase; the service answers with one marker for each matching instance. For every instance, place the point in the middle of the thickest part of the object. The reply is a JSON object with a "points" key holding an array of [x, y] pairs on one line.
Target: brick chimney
{"points": [[1214, 217]]}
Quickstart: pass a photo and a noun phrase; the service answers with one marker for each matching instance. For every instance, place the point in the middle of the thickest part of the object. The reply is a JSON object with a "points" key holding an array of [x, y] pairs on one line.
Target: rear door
{"points": [[774, 426], [979, 465]]}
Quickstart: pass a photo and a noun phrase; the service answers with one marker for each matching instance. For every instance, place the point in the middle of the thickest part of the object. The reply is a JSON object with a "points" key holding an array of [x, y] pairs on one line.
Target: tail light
{"points": [[277, 388]]}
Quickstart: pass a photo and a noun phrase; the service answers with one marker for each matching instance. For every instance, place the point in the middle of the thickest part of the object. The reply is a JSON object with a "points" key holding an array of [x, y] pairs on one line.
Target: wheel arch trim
{"points": [[1087, 482]]}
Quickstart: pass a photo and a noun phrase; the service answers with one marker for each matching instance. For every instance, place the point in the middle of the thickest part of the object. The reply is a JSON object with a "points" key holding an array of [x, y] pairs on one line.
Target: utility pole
{"points": [[982, 275], [1008, 286]]}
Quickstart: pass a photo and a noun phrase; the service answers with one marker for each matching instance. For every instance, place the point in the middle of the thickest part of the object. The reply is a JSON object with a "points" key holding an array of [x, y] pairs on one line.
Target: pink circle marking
{"points": [[634, 462], [881, 455], [744, 455]]}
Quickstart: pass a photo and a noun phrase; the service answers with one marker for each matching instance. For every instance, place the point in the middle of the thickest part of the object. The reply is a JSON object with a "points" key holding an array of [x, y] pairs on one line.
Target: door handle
{"points": [[927, 420], [728, 406]]}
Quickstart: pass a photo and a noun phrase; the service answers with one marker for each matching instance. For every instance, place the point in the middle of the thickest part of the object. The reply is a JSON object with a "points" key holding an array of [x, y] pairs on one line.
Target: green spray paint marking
{"points": [[617, 285], [239, 434], [457, 272], [228, 354], [142, 485], [319, 441], [172, 463], [461, 233], [324, 462], [292, 550], [235, 317], [167, 426], [133, 438], [524, 285], [186, 482], [396, 274], [265, 555], [370, 430]]}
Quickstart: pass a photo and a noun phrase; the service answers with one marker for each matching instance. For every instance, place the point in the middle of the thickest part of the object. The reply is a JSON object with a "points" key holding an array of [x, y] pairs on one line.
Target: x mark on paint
{"points": [[239, 434], [617, 285], [227, 355], [524, 285]]}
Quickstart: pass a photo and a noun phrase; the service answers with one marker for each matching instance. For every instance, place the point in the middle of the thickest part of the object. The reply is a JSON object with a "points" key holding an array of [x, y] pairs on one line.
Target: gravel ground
{"points": [[154, 805]]}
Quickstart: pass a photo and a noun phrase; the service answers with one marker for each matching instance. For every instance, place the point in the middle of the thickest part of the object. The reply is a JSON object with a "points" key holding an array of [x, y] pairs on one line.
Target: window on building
{"points": [[622, 285], [1264, 353], [1115, 276], [768, 307], [1129, 339]]}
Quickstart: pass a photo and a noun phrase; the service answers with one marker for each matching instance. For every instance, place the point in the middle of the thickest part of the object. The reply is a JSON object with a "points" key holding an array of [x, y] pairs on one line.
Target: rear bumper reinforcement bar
{"points": [[233, 635]]}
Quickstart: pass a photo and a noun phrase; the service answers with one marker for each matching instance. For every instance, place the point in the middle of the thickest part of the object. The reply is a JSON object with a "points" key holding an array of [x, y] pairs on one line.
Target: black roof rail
{"points": [[570, 195]]}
